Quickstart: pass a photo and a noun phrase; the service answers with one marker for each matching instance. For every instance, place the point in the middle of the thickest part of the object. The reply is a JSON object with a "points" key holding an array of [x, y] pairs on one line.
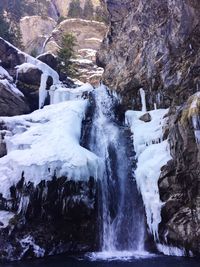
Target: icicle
{"points": [[143, 100], [42, 90]]}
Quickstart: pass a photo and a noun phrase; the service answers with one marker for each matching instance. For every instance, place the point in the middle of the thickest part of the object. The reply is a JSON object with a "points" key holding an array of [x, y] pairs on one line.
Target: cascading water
{"points": [[121, 209]]}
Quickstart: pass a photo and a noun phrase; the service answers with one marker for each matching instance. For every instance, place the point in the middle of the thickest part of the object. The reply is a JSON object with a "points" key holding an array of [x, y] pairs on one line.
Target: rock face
{"points": [[62, 6], [41, 27], [179, 184], [47, 221], [154, 46]]}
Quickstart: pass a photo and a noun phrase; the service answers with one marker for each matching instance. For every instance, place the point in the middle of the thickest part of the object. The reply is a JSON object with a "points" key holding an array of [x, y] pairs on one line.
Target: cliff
{"points": [[155, 46]]}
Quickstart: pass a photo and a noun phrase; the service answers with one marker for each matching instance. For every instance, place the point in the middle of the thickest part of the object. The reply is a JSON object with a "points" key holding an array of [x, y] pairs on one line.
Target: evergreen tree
{"points": [[75, 10], [88, 10], [66, 53], [5, 32]]}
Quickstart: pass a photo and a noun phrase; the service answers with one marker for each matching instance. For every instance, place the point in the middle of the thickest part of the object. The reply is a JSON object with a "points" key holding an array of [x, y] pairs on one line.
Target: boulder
{"points": [[49, 59], [146, 117], [31, 75], [12, 101]]}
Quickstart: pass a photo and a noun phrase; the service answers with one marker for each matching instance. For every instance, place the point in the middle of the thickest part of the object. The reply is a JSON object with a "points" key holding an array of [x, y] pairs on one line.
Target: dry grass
{"points": [[192, 108]]}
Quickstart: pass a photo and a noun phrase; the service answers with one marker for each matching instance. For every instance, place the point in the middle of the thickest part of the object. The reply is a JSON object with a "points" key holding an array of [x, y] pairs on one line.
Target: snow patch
{"points": [[5, 217]]}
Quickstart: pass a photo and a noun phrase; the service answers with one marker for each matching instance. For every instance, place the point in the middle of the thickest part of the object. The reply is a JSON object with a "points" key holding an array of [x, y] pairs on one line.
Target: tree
{"points": [[88, 10], [75, 10], [5, 32], [66, 53]]}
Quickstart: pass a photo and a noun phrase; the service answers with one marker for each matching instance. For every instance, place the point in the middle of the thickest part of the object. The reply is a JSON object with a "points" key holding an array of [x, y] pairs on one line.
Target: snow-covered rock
{"points": [[46, 143], [22, 64], [12, 101]]}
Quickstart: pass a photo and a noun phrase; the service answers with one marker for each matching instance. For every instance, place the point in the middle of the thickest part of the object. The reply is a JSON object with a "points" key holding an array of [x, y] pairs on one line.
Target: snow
{"points": [[23, 68], [82, 61], [29, 242], [59, 94], [152, 153], [5, 217], [46, 143]]}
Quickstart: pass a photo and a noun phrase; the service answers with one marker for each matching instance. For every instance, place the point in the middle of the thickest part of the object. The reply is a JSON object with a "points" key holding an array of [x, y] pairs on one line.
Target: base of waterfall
{"points": [[118, 255]]}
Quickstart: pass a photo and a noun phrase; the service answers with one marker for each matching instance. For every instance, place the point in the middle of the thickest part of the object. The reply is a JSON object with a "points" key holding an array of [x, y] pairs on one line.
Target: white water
{"points": [[122, 219]]}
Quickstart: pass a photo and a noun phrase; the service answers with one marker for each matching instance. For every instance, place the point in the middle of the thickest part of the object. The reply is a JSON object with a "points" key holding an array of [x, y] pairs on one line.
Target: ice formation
{"points": [[194, 113], [171, 251], [32, 62], [60, 93], [152, 153], [143, 99], [46, 143]]}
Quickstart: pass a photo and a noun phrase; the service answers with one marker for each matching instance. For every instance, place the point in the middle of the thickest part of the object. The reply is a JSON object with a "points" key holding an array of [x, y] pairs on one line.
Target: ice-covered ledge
{"points": [[46, 143]]}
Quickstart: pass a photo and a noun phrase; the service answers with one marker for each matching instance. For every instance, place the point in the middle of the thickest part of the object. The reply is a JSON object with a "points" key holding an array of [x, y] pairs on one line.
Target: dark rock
{"points": [[31, 76], [28, 82], [11, 103], [50, 60], [60, 216], [146, 117], [179, 185], [155, 46]]}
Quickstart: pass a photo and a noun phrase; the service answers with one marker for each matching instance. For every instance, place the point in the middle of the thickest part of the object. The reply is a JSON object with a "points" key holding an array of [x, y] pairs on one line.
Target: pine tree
{"points": [[5, 32], [88, 10], [66, 53], [75, 10]]}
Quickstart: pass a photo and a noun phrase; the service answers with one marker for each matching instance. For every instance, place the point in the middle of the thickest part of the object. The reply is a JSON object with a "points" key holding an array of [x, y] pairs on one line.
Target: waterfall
{"points": [[121, 209]]}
